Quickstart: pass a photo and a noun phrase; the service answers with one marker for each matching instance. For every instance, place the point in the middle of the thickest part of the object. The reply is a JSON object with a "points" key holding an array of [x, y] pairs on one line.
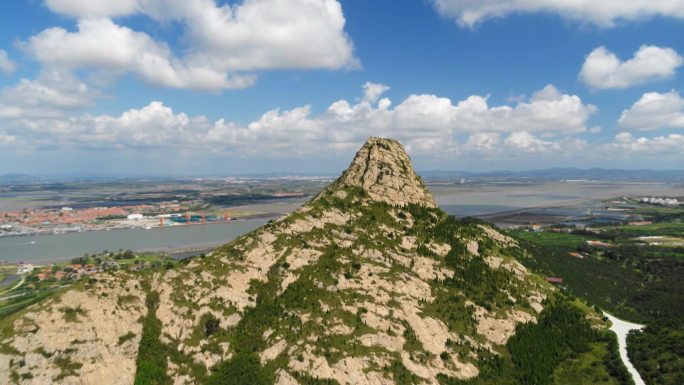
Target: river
{"points": [[622, 328], [52, 248]]}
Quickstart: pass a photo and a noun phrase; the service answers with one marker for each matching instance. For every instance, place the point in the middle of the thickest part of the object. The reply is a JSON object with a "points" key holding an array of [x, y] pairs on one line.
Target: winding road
{"points": [[622, 328]]}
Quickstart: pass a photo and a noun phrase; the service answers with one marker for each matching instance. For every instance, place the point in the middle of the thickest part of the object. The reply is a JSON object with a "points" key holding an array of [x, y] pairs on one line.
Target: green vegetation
{"points": [[658, 353], [71, 314], [587, 368], [43, 282], [243, 369], [536, 350], [560, 348], [401, 375], [15, 304], [66, 366], [632, 279], [126, 337], [151, 361]]}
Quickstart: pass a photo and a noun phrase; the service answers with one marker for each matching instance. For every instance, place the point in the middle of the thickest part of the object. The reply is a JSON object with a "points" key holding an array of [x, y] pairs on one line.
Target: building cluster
{"points": [[73, 270], [660, 201], [68, 219]]}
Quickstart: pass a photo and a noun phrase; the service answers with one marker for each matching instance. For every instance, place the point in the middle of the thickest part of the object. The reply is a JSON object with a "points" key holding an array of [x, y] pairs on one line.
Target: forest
{"points": [[562, 341], [636, 281]]}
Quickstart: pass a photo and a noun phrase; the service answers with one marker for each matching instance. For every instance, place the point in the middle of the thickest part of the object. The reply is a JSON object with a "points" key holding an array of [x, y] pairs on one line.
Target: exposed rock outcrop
{"points": [[367, 283], [383, 169]]}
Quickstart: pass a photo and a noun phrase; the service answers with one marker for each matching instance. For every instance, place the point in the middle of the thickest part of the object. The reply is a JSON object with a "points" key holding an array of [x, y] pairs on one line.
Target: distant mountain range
{"points": [[564, 174], [531, 175], [16, 178]]}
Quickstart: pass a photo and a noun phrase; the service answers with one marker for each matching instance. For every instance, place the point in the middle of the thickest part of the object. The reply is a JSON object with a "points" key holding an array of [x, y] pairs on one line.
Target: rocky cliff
{"points": [[383, 170]]}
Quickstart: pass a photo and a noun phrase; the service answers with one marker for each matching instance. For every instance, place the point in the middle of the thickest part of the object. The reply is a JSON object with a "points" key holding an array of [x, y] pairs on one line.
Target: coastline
{"points": [[177, 241], [152, 226]]}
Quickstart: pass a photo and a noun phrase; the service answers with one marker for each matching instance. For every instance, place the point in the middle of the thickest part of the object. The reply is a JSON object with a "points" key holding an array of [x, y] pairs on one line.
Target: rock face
{"points": [[383, 169], [369, 283]]}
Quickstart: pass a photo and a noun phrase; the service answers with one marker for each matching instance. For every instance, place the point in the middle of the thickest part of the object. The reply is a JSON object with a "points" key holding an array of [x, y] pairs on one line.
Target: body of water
{"points": [[470, 210], [9, 279], [60, 247], [459, 200]]}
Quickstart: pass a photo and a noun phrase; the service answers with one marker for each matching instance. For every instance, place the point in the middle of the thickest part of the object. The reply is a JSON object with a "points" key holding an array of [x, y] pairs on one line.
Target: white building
{"points": [[24, 268], [135, 217], [660, 201]]}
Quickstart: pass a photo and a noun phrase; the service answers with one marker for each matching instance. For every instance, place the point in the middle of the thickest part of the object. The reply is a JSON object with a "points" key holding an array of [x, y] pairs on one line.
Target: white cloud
{"points": [[6, 64], [654, 111], [126, 51], [426, 124], [373, 91], [483, 142], [526, 142], [94, 8], [52, 94], [547, 111], [262, 34], [6, 140], [603, 70], [605, 13], [222, 45], [626, 143], [469, 130]]}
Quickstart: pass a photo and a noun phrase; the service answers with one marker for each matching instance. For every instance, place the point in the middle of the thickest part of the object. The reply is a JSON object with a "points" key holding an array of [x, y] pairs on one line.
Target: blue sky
{"points": [[199, 87]]}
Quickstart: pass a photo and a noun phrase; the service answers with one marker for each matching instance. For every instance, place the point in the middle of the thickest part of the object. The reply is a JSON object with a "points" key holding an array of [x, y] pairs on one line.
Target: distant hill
{"points": [[564, 174], [550, 174], [16, 178]]}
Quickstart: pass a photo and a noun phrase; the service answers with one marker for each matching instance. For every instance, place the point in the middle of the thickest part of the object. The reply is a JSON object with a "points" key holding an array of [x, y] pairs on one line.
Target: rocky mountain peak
{"points": [[383, 169]]}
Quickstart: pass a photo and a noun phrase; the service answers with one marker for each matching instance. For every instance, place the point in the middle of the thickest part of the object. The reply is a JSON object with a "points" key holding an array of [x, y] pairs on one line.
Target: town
{"points": [[66, 207], [67, 219]]}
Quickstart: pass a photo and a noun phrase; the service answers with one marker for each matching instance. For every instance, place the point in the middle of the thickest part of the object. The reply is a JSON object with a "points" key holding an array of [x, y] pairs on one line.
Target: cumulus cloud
{"points": [[52, 94], [462, 131], [126, 51], [262, 34], [607, 13], [547, 111], [625, 142], [526, 142], [94, 8], [485, 142], [6, 64], [654, 111], [427, 124], [603, 70], [373, 91], [222, 45]]}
